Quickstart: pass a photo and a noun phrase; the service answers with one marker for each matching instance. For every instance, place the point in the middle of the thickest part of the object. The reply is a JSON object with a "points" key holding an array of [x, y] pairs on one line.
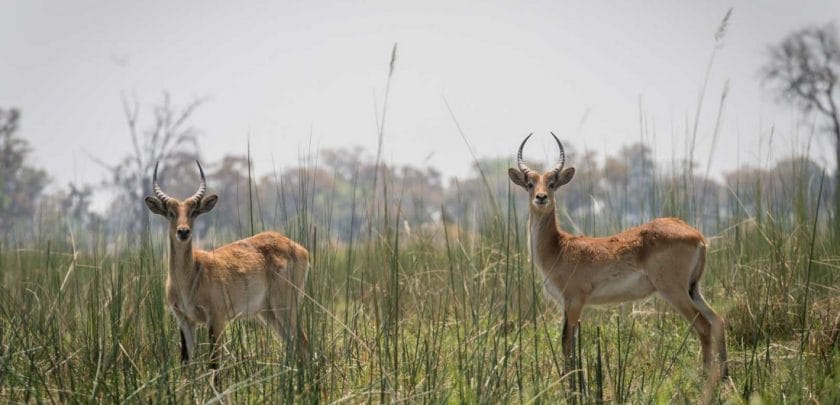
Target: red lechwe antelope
{"points": [[263, 275], [665, 255]]}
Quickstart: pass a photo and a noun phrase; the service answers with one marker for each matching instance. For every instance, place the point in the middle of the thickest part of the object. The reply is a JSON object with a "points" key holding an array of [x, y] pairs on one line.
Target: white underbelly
{"points": [[251, 301], [621, 287]]}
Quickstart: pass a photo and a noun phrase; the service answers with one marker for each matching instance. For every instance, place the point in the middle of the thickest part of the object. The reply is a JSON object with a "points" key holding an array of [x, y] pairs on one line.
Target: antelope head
{"points": [[181, 214], [541, 187]]}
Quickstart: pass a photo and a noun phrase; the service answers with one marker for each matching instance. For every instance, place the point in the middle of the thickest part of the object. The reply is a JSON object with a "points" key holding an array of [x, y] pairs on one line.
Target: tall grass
{"points": [[440, 314]]}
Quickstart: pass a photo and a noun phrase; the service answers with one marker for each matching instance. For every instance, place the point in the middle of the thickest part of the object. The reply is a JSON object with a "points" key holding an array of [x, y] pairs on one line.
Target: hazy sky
{"points": [[286, 70]]}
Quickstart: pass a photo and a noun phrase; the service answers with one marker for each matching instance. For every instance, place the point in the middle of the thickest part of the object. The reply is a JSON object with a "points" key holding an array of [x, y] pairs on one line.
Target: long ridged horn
{"points": [[521, 162], [202, 188], [559, 167], [156, 187]]}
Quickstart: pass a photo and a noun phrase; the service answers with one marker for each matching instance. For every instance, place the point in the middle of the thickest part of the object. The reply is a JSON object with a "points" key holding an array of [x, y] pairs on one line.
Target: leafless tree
{"points": [[170, 139], [804, 69]]}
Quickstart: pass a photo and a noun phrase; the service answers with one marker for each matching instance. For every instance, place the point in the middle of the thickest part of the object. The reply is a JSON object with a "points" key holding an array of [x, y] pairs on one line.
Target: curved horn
{"points": [[202, 188], [521, 162], [156, 187], [559, 167]]}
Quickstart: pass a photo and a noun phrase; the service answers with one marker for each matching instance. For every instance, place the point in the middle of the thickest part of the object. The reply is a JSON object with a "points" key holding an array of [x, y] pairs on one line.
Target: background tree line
{"points": [[334, 190]]}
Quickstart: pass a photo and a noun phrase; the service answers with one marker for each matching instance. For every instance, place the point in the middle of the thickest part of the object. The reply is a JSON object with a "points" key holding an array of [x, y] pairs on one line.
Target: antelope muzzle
{"points": [[183, 233]]}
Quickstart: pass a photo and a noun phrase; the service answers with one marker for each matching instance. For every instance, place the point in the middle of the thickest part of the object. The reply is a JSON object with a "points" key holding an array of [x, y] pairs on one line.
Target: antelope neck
{"points": [[544, 232], [181, 262]]}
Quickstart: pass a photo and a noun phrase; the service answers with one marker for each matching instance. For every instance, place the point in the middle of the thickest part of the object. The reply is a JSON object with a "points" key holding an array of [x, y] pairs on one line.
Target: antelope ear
{"points": [[155, 205], [565, 176], [517, 177], [206, 204]]}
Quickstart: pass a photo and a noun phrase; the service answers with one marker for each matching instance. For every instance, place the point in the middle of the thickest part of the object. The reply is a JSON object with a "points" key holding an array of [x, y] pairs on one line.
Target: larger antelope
{"points": [[262, 276], [665, 255]]}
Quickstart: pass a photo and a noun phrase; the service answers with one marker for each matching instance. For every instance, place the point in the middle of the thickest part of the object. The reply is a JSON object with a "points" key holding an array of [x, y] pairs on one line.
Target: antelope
{"points": [[665, 255], [261, 276]]}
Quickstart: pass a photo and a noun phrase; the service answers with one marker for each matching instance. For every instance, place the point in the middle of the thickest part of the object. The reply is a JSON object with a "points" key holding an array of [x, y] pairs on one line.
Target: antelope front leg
{"points": [[187, 330], [215, 334], [185, 351], [570, 324], [216, 331]]}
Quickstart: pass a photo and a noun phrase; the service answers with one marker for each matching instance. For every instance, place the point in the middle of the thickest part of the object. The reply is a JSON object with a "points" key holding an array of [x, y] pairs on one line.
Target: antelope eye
{"points": [[170, 214], [530, 185]]}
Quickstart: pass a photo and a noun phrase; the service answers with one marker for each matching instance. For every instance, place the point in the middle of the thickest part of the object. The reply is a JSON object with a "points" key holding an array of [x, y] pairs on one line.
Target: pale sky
{"points": [[286, 70]]}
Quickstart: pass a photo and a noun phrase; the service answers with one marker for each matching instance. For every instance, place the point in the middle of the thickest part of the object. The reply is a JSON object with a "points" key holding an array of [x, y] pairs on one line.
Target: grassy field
{"points": [[439, 314]]}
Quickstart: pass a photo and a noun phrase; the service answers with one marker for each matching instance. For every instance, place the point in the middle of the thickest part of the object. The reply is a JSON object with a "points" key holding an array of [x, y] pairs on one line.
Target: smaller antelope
{"points": [[665, 255], [262, 276]]}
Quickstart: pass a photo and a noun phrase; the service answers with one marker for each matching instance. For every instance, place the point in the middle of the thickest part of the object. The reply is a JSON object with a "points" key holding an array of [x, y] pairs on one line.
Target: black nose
{"points": [[183, 233], [541, 197]]}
